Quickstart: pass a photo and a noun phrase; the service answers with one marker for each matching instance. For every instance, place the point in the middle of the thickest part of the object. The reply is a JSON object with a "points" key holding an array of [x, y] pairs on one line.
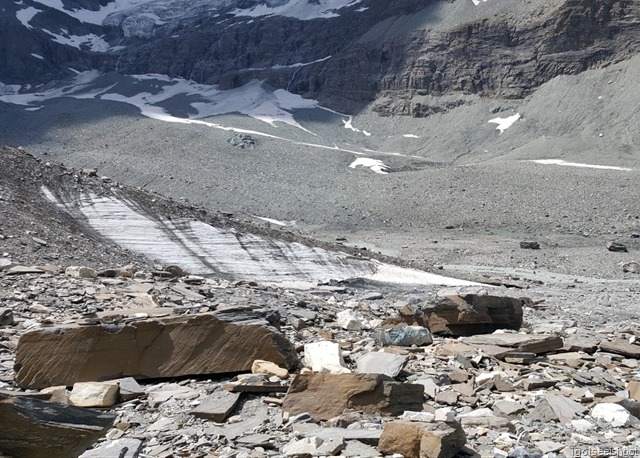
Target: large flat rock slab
{"points": [[172, 347], [325, 396], [32, 428], [532, 343]]}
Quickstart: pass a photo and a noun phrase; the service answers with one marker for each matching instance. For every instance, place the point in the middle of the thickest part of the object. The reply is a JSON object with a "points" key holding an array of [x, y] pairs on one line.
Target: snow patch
{"points": [[37, 56], [271, 220], [578, 164], [505, 123], [91, 41], [375, 165], [410, 136], [299, 9], [477, 2], [25, 16]]}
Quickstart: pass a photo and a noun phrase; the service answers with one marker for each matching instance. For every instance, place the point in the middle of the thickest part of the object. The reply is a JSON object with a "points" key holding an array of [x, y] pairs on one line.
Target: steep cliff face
{"points": [[407, 57]]}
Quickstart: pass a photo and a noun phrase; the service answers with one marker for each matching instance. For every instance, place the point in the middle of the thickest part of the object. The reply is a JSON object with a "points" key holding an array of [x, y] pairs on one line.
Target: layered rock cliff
{"points": [[396, 54]]}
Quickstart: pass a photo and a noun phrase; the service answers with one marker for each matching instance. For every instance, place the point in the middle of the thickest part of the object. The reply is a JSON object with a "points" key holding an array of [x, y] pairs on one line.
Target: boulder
{"points": [[325, 396], [171, 347], [614, 414], [262, 367], [422, 440], [32, 428], [81, 272], [405, 336], [381, 362], [324, 356], [464, 314], [94, 394]]}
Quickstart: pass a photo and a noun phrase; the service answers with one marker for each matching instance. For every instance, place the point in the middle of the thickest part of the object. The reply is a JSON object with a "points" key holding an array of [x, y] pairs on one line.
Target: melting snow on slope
{"points": [[348, 124], [160, 10], [91, 41], [578, 164], [96, 17], [505, 123], [375, 165], [299, 9], [204, 249]]}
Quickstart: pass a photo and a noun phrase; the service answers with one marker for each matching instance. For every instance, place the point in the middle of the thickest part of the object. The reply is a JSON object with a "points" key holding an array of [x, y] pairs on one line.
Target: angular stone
{"points": [[262, 367], [306, 447], [170, 347], [129, 389], [217, 406], [94, 394], [530, 343], [80, 272], [41, 429], [617, 247], [21, 270], [367, 436], [58, 394], [6, 317], [356, 449], [555, 407], [405, 336], [324, 356], [381, 362], [614, 414], [462, 314], [634, 389], [422, 440], [325, 396], [119, 448], [621, 347]]}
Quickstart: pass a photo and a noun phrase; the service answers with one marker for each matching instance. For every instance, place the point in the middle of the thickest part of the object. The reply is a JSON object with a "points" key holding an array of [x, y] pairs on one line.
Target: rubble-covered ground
{"points": [[551, 374]]}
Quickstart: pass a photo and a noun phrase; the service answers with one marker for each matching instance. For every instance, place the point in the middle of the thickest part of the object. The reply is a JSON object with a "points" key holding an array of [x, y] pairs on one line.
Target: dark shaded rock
{"points": [[621, 347], [31, 428], [460, 314], [325, 396], [528, 245], [173, 347], [242, 141], [6, 317], [617, 247]]}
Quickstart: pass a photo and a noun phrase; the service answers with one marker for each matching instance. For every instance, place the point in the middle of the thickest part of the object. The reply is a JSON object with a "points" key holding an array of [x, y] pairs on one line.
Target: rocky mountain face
{"points": [[345, 54]]}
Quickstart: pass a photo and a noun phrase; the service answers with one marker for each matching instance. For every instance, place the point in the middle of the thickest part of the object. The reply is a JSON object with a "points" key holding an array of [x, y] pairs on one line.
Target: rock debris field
{"points": [[106, 353]]}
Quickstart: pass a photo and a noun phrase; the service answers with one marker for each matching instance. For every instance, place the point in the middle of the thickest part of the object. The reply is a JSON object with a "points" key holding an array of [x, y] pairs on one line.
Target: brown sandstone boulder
{"points": [[173, 347], [422, 440], [326, 396], [460, 314]]}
